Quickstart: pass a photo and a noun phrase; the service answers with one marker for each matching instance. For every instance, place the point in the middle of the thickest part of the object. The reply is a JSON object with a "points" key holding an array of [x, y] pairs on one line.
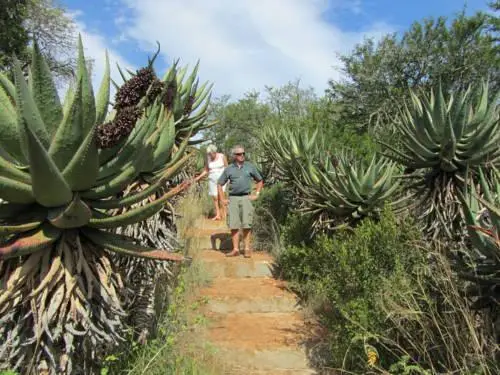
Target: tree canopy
{"points": [[378, 76], [22, 21]]}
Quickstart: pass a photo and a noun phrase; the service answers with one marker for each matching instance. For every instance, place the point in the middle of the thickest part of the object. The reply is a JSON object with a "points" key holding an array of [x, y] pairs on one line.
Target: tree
{"points": [[379, 76], [13, 35], [239, 121], [43, 20], [242, 121], [48, 23]]}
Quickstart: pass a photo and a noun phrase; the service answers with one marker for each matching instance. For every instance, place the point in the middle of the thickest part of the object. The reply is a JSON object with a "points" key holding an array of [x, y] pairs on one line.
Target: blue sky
{"points": [[246, 44]]}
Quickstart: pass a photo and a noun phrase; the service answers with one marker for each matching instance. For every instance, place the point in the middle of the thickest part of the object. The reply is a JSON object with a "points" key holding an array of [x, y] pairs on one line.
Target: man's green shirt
{"points": [[240, 178]]}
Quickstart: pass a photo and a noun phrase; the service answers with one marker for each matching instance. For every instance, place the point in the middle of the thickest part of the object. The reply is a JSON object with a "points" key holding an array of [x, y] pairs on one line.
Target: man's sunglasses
{"points": [[239, 153]]}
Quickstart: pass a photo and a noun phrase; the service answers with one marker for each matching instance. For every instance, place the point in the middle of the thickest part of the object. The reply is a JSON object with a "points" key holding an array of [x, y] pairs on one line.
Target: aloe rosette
{"points": [[59, 292], [441, 136], [334, 190]]}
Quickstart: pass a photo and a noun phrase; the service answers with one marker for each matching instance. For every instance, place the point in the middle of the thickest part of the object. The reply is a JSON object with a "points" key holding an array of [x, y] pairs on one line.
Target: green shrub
{"points": [[345, 274], [271, 212]]}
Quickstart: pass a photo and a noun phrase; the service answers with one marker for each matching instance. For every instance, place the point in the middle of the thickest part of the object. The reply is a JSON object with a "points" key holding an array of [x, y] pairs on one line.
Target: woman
{"points": [[215, 164]]}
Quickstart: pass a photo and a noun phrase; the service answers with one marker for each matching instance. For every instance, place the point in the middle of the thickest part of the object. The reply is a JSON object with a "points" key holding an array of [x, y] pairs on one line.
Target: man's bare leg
{"points": [[235, 237], [246, 239]]}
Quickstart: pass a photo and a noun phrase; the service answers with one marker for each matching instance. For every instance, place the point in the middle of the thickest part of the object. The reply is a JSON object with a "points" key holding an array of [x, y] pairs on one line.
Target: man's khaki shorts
{"points": [[240, 212]]}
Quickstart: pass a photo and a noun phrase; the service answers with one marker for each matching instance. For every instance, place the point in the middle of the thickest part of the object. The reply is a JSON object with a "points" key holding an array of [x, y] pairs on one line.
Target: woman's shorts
{"points": [[212, 188]]}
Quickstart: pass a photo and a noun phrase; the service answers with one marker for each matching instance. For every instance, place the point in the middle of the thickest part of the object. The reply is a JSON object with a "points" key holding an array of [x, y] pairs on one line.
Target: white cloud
{"points": [[246, 44]]}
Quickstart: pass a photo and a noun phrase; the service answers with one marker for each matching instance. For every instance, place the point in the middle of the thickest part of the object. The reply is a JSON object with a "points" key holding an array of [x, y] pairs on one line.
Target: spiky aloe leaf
{"points": [[69, 134], [127, 246], [88, 99], [74, 215], [81, 172], [118, 182], [44, 91], [103, 95], [49, 186], [20, 228], [137, 214], [165, 143], [121, 73], [15, 192], [10, 140], [29, 242], [27, 111], [129, 200], [7, 169]]}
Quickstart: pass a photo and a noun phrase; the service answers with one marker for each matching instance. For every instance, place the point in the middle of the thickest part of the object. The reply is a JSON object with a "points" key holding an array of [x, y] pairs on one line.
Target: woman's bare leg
{"points": [[217, 209], [222, 210]]}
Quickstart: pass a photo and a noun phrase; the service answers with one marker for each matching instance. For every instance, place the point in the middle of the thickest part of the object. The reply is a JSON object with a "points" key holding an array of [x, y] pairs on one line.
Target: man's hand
{"points": [[253, 197], [225, 202]]}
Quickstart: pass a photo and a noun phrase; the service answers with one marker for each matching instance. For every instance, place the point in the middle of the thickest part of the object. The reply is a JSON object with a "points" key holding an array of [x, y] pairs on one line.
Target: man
{"points": [[240, 175]]}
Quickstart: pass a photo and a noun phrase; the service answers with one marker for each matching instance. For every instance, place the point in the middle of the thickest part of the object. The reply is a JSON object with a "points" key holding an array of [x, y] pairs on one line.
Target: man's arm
{"points": [[259, 180], [220, 183], [259, 187]]}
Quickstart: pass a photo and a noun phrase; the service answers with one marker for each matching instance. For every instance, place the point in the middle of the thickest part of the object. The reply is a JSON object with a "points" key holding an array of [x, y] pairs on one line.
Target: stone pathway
{"points": [[253, 321]]}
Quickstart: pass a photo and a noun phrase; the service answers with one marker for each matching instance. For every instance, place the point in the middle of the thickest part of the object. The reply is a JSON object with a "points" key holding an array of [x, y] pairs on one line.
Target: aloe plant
{"points": [[187, 102], [181, 93], [333, 187], [59, 292], [441, 136]]}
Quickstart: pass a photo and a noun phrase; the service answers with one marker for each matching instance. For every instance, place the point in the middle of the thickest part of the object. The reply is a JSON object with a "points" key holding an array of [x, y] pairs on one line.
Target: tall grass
{"points": [[433, 328]]}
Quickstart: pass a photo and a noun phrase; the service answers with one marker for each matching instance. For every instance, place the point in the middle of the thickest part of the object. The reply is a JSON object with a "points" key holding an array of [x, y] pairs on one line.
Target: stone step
{"points": [[263, 331], [266, 362], [218, 265], [271, 341], [247, 295], [204, 223], [204, 232]]}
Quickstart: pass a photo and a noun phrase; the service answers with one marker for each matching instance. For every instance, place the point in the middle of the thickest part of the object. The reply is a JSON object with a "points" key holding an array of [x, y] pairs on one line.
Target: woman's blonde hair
{"points": [[211, 148]]}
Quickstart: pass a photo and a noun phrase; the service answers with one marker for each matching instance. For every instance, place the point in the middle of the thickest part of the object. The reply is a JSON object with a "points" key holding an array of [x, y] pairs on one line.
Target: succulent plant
{"points": [[187, 105], [336, 190], [180, 94], [59, 292], [441, 136], [145, 275]]}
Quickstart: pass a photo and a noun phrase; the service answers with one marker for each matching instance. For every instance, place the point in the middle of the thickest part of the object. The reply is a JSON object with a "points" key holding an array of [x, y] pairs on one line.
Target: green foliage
{"points": [[13, 35], [480, 264], [431, 327], [271, 212], [45, 21], [346, 272]]}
